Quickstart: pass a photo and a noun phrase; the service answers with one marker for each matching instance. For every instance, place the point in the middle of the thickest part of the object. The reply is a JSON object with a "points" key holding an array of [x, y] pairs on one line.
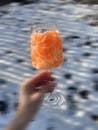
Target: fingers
{"points": [[48, 87], [42, 81], [40, 78]]}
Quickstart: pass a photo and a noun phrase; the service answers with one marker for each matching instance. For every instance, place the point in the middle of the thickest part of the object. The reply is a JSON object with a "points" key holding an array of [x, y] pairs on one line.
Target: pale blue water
{"points": [[74, 103]]}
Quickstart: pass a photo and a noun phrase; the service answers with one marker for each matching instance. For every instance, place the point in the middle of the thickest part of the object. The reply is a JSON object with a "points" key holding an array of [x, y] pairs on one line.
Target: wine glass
{"points": [[46, 47]]}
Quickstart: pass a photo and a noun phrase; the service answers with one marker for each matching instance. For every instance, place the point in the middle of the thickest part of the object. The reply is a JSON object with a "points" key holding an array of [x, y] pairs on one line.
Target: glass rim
{"points": [[44, 26]]}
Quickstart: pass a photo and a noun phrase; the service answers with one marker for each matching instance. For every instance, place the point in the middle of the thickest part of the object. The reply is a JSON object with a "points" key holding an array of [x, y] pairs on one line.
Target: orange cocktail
{"points": [[46, 49]]}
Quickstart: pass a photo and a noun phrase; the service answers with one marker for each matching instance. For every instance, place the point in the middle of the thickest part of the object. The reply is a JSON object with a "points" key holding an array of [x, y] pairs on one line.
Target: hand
{"points": [[31, 95], [33, 90]]}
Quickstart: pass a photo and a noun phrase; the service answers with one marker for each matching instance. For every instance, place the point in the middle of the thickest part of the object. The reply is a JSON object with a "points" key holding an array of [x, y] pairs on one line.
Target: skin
{"points": [[31, 95]]}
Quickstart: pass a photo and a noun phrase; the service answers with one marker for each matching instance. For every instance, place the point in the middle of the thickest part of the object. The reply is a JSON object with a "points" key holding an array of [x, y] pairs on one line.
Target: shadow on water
{"points": [[4, 2], [87, 1], [3, 12], [76, 92]]}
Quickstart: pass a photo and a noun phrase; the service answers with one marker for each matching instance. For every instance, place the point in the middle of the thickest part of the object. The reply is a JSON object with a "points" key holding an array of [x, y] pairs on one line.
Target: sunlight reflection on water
{"points": [[74, 100]]}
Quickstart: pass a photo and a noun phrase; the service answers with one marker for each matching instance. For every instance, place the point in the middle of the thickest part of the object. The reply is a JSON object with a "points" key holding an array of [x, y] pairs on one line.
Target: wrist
{"points": [[29, 109], [25, 113]]}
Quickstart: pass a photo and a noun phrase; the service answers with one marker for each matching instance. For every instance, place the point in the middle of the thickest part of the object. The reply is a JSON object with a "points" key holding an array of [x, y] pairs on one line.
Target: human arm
{"points": [[31, 95]]}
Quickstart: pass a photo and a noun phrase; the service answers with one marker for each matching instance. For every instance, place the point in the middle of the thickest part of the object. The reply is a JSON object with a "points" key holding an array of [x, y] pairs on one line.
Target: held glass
{"points": [[46, 46]]}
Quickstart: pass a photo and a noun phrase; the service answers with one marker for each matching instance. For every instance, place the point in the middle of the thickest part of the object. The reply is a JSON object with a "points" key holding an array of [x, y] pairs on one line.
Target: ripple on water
{"points": [[70, 38], [87, 1], [68, 75], [88, 43], [20, 60], [55, 99], [94, 23], [84, 94], [94, 117], [2, 81], [8, 51], [95, 85], [81, 44], [95, 70], [87, 54], [3, 106]]}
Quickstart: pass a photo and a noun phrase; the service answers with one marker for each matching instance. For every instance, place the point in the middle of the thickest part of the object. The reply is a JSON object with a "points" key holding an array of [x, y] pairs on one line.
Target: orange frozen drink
{"points": [[46, 49]]}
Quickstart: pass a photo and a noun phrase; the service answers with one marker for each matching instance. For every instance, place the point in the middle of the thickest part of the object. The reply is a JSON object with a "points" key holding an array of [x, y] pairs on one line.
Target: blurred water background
{"points": [[74, 103]]}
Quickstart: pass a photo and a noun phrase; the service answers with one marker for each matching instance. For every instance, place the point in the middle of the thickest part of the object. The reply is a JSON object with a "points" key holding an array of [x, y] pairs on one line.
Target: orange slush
{"points": [[46, 49]]}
